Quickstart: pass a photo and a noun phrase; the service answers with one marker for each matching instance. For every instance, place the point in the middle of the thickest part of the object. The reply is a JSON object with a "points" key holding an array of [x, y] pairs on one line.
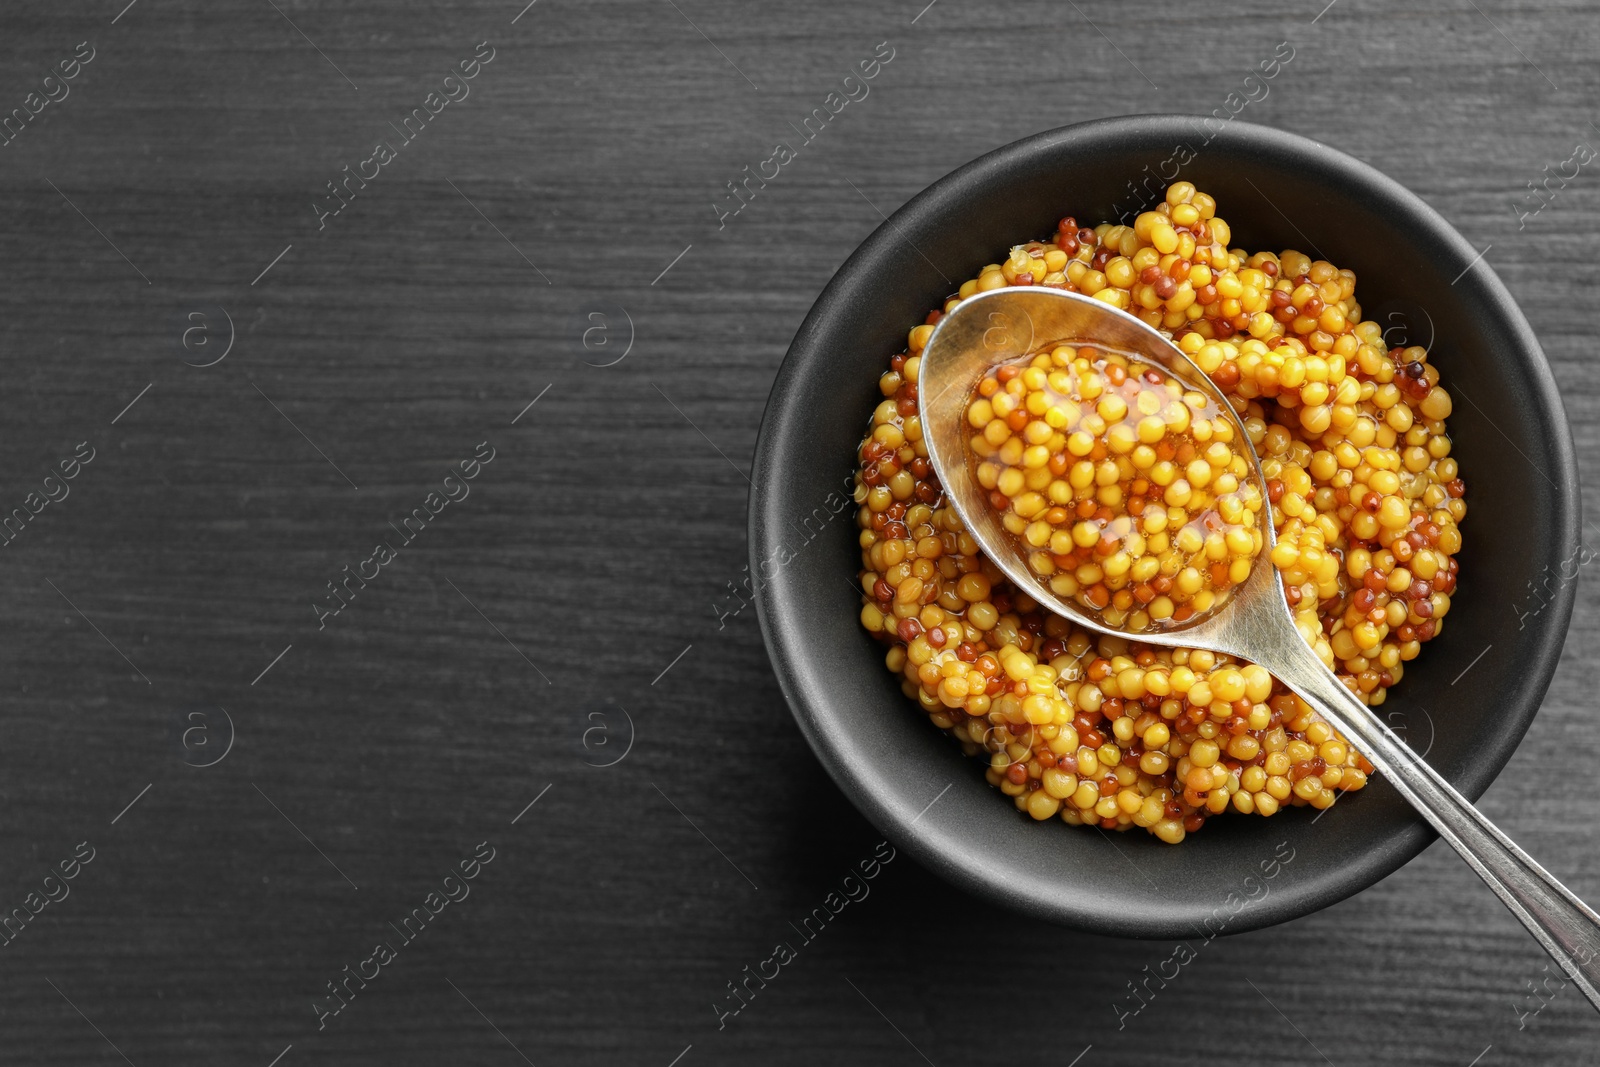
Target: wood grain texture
{"points": [[590, 552]]}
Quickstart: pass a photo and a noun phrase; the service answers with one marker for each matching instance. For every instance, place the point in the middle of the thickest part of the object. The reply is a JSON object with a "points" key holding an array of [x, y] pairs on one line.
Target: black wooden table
{"points": [[524, 746]]}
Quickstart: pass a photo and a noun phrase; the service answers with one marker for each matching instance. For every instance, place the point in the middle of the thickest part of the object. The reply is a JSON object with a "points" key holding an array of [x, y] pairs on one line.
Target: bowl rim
{"points": [[949, 190]]}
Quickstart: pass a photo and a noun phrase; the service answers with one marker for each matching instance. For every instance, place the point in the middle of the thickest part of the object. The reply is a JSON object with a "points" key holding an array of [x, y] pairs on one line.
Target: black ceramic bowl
{"points": [[1466, 701]]}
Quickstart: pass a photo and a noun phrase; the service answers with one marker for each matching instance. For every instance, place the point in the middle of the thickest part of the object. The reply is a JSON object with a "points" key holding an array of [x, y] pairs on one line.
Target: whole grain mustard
{"points": [[1360, 487]]}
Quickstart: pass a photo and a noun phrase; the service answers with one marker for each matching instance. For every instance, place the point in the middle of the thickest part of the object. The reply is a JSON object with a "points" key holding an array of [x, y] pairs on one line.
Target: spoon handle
{"points": [[1567, 927]]}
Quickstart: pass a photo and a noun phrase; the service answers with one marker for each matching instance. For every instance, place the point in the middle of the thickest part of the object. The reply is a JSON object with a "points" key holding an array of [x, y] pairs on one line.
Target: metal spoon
{"points": [[1255, 624]]}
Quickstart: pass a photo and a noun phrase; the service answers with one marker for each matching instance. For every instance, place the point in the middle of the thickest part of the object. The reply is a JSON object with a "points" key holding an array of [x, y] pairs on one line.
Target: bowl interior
{"points": [[1465, 701]]}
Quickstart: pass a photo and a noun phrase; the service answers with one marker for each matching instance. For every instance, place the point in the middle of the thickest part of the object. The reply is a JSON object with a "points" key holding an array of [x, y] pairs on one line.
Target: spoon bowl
{"points": [[1254, 624], [1002, 325]]}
